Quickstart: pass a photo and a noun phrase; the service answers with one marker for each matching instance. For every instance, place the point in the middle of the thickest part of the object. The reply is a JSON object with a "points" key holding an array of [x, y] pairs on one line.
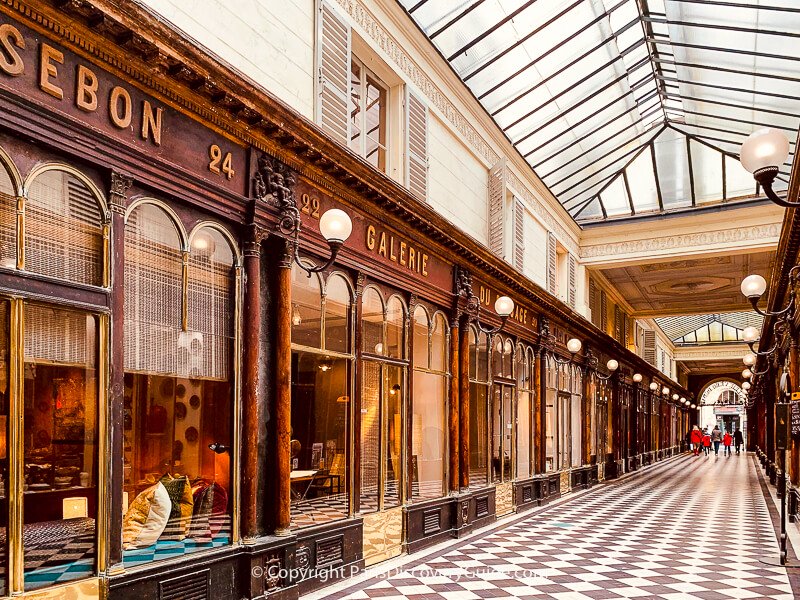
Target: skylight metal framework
{"points": [[628, 107], [716, 328]]}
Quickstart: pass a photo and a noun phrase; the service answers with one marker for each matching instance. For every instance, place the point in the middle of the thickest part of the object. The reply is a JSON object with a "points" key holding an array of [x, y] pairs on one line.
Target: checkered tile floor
{"points": [[687, 528]]}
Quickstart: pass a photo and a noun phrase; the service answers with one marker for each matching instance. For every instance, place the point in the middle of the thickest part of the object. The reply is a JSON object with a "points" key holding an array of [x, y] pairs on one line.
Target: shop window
{"points": [[564, 417], [576, 423], [551, 391], [525, 396], [321, 373], [8, 221], [179, 398], [63, 234], [383, 392], [478, 408], [593, 391], [502, 394], [428, 421], [368, 106]]}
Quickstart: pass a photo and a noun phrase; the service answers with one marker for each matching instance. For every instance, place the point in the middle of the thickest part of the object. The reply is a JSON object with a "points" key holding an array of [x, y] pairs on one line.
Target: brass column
{"points": [[120, 184], [454, 408], [463, 401], [252, 396]]}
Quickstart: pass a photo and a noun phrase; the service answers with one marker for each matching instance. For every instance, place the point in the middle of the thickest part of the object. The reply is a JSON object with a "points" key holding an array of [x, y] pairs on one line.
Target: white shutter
{"points": [[603, 311], [649, 346], [497, 196], [519, 234], [333, 72], [593, 309], [417, 146], [552, 260], [572, 292]]}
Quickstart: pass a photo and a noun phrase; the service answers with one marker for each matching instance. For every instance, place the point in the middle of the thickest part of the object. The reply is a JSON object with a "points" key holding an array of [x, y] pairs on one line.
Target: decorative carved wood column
{"points": [[253, 417], [615, 407], [118, 199], [453, 405], [463, 402]]}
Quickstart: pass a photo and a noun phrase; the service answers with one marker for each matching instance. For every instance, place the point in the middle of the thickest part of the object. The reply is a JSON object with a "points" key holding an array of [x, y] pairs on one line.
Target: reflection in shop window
{"points": [[321, 373], [60, 444], [178, 398], [478, 408], [428, 449], [551, 391]]}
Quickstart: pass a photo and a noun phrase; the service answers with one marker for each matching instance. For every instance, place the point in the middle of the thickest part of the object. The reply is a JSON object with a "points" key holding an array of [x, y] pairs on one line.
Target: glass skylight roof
{"points": [[623, 112], [710, 328]]}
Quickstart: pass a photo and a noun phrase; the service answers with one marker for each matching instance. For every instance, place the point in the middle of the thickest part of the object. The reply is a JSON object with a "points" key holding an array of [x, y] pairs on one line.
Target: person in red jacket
{"points": [[727, 440], [696, 440], [706, 442]]}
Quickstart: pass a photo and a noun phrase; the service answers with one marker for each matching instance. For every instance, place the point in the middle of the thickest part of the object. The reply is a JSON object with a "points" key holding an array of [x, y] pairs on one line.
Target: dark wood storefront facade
{"points": [[163, 349]]}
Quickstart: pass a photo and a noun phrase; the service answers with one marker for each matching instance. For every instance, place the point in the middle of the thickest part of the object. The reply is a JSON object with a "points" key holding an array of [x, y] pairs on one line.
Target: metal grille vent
{"points": [[527, 493], [188, 587], [417, 147], [153, 269], [497, 192], [210, 300], [58, 336], [334, 73], [431, 521], [330, 551], [482, 506], [63, 229]]}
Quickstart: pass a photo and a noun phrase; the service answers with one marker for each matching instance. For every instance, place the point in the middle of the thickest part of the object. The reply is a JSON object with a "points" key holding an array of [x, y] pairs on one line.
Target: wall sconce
{"points": [[683, 400], [747, 373], [665, 391], [675, 397], [653, 386], [754, 286], [75, 508], [694, 406], [762, 154], [335, 226], [637, 378], [612, 365], [574, 346], [503, 306], [746, 385]]}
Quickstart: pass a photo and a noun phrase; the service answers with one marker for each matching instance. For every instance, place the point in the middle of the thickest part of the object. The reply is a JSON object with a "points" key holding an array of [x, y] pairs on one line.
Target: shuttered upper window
{"points": [[63, 232], [417, 151]]}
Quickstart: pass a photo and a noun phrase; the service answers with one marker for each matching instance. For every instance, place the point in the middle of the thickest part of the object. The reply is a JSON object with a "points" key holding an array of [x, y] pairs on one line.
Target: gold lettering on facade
{"points": [[48, 70], [120, 119], [370, 238], [396, 249], [86, 89], [10, 60], [151, 123]]}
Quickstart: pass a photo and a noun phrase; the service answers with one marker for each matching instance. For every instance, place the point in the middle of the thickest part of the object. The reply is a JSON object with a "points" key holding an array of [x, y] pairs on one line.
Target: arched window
{"points": [[180, 303], [8, 220], [551, 394], [576, 421], [428, 421], [63, 234], [321, 391], [383, 394]]}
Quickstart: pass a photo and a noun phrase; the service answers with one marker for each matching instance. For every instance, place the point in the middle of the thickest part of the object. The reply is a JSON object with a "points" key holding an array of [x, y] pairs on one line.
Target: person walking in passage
{"points": [[716, 438], [727, 440], [696, 440], [706, 442], [738, 439]]}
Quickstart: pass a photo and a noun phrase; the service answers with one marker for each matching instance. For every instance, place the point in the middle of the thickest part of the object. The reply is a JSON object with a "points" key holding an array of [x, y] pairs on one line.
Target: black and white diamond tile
{"points": [[689, 528]]}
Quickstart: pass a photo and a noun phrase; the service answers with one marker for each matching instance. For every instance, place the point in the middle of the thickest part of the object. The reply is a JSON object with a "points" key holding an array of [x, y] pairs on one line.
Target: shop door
{"points": [[502, 444], [564, 429], [383, 456]]}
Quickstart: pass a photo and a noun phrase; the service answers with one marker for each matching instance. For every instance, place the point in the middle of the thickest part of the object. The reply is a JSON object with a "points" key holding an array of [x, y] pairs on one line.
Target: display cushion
{"points": [[203, 496], [180, 518], [219, 506], [146, 518]]}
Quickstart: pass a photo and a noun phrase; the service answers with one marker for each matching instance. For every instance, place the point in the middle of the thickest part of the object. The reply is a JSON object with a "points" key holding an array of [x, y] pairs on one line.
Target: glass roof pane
{"points": [[576, 88], [642, 182], [673, 169], [615, 199]]}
